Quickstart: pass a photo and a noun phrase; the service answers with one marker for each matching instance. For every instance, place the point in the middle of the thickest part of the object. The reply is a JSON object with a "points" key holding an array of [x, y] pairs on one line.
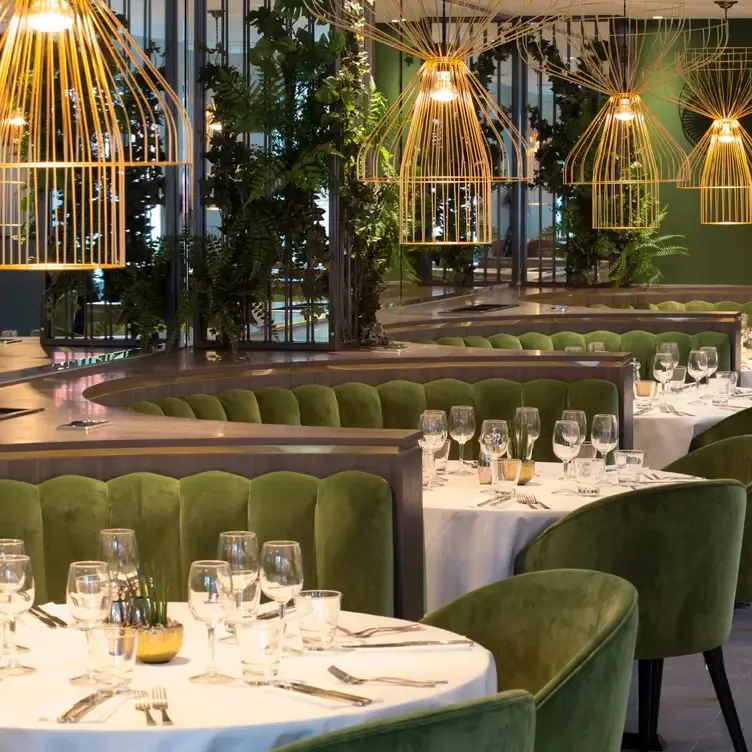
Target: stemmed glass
{"points": [[10, 546], [712, 357], [566, 441], [604, 433], [281, 572], [239, 548], [580, 418], [527, 423], [697, 365], [88, 595], [433, 426], [211, 601], [494, 440], [663, 370], [462, 429], [16, 597], [672, 348], [119, 550]]}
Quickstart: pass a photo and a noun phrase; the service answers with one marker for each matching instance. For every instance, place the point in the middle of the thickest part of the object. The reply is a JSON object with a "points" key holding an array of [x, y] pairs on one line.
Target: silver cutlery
{"points": [[43, 618], [371, 631], [530, 500], [56, 619], [76, 707], [142, 703], [159, 702], [412, 644], [328, 694], [395, 680], [85, 705]]}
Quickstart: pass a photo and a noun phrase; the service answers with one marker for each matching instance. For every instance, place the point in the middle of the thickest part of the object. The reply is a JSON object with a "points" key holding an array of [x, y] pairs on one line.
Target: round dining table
{"points": [[226, 718]]}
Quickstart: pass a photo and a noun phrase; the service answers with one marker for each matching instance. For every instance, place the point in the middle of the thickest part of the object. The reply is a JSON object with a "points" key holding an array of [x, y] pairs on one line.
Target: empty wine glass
{"points": [[494, 438], [119, 550], [239, 548], [88, 596], [604, 433], [566, 442], [663, 370], [211, 601], [697, 365], [16, 597], [527, 424], [672, 348], [712, 358], [580, 418], [281, 572], [462, 429], [433, 426]]}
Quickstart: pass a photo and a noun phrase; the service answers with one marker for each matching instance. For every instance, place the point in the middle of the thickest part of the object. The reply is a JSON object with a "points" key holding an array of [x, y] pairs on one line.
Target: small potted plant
{"points": [[159, 637], [518, 448]]}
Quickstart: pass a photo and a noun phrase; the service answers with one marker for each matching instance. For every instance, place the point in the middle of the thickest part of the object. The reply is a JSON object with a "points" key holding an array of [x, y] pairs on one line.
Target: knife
{"points": [[77, 706], [85, 705], [55, 619], [411, 643], [329, 694], [43, 618]]}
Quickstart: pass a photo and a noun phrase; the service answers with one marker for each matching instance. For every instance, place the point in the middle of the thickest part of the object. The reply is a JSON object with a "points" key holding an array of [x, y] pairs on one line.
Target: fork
{"points": [[530, 500], [395, 680], [159, 702], [371, 631], [142, 703]]}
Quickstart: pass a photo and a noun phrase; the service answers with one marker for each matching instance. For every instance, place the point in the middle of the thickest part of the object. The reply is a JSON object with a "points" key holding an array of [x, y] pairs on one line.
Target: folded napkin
{"points": [[52, 710], [56, 609]]}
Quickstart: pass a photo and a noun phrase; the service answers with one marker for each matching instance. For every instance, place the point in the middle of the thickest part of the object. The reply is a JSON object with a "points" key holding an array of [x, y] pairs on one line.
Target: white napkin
{"points": [[61, 611], [52, 710]]}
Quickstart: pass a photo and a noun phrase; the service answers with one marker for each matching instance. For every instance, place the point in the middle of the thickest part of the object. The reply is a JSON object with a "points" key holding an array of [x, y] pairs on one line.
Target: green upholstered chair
{"points": [[671, 305], [728, 305], [611, 341], [567, 637], [563, 340], [720, 342], [147, 408], [476, 341], [504, 341], [344, 524], [680, 546], [727, 458], [738, 424], [501, 723], [698, 305], [536, 341], [642, 346], [452, 341]]}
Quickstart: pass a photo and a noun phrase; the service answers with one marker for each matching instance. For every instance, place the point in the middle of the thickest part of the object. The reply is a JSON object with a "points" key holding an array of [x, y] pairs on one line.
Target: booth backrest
{"points": [[344, 524], [696, 306], [641, 344], [396, 404]]}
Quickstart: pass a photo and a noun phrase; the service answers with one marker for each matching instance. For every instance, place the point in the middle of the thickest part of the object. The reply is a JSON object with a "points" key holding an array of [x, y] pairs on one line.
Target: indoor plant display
{"points": [[518, 446]]}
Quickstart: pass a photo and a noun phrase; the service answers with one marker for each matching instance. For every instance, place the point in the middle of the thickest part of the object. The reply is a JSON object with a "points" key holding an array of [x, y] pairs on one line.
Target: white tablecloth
{"points": [[231, 717], [468, 547], [665, 437]]}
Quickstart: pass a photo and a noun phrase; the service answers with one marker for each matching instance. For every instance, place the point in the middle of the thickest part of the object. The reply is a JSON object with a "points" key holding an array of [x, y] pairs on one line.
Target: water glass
{"points": [[644, 393], [678, 378], [587, 451], [711, 354], [672, 348], [119, 550], [281, 572], [596, 347], [723, 388], [589, 474], [112, 654], [260, 645], [629, 464], [319, 613], [663, 370], [484, 468], [441, 457], [697, 365], [527, 429], [462, 429], [505, 475], [566, 441], [17, 593]]}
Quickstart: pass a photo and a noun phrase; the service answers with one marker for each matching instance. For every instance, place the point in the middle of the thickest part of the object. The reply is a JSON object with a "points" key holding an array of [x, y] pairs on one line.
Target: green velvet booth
{"points": [[676, 306], [737, 424], [500, 723], [643, 345], [680, 546], [568, 638], [343, 523], [396, 404], [727, 458]]}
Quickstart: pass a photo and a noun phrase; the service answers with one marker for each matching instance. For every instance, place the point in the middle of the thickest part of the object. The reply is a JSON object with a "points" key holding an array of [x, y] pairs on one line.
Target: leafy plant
{"points": [[147, 600]]}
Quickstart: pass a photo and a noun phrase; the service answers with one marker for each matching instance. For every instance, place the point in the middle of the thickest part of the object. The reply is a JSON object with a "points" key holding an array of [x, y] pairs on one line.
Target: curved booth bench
{"points": [[691, 306]]}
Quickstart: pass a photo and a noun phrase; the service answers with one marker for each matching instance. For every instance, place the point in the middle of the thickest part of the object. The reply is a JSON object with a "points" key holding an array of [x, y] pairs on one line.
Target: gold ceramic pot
{"points": [[159, 644], [527, 471]]}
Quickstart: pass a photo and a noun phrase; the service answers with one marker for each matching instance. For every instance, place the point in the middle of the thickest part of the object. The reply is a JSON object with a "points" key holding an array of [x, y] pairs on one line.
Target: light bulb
{"points": [[443, 91], [726, 136], [216, 127], [50, 16], [624, 110], [17, 119]]}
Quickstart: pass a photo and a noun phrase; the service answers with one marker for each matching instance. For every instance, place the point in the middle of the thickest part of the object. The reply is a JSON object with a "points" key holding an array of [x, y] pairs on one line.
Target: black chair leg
{"points": [[717, 671], [649, 681]]}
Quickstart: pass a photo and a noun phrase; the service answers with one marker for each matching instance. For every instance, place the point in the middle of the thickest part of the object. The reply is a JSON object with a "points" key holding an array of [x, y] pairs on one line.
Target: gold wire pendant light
{"points": [[79, 103], [448, 138], [626, 152], [719, 165]]}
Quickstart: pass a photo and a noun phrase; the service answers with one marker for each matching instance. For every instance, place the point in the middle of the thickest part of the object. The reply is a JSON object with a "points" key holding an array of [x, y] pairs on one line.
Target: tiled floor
{"points": [[690, 719]]}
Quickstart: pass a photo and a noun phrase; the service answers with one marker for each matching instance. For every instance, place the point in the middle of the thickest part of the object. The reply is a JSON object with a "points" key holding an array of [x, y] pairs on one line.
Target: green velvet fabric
{"points": [[698, 305], [717, 340], [727, 458], [611, 340], [277, 405], [505, 342], [240, 405], [563, 340], [536, 341], [671, 305], [402, 403], [680, 546], [452, 341], [206, 406], [565, 636], [550, 397], [147, 408], [359, 405], [501, 723], [728, 305], [318, 405], [642, 346], [737, 424], [682, 339], [344, 524], [175, 407], [475, 341]]}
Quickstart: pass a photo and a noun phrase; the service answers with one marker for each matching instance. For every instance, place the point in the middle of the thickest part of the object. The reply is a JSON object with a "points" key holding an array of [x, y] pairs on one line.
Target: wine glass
{"points": [[211, 601], [281, 572], [16, 597], [462, 429], [697, 365], [88, 595], [433, 426], [527, 423], [672, 348], [119, 550], [239, 548], [494, 438], [604, 433], [10, 546], [663, 370], [580, 418], [566, 442], [712, 356]]}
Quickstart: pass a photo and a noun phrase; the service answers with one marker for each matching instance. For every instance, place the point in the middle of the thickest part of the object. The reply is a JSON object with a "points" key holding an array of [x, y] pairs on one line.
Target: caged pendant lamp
{"points": [[80, 103], [450, 140], [626, 152]]}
